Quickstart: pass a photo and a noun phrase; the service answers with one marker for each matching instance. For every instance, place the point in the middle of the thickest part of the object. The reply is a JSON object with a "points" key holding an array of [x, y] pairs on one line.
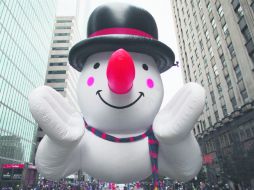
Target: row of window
{"points": [[60, 48], [61, 41], [55, 80], [244, 132], [244, 29], [58, 64], [63, 21], [57, 72], [63, 27], [59, 56], [225, 30], [62, 34], [59, 89]]}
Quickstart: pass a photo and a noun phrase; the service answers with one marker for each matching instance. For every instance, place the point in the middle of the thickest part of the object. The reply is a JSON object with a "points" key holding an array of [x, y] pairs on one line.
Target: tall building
{"points": [[25, 33], [60, 75], [216, 44]]}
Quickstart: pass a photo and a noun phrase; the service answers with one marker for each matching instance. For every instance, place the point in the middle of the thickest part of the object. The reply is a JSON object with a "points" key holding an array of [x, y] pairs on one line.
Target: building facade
{"points": [[216, 44], [60, 75], [25, 34]]}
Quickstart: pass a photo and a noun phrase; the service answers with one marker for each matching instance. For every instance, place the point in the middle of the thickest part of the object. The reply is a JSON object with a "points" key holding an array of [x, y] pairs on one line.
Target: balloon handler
{"points": [[121, 136]]}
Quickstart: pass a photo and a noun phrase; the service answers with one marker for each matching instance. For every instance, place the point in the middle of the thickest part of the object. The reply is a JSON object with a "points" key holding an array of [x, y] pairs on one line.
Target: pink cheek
{"points": [[149, 83], [90, 81]]}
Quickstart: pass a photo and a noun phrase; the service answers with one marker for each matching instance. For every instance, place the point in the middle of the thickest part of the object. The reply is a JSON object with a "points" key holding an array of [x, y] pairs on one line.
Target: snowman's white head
{"points": [[120, 92]]}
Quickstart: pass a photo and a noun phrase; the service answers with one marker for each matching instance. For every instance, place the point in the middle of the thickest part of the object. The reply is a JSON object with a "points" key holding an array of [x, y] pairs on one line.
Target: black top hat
{"points": [[118, 25]]}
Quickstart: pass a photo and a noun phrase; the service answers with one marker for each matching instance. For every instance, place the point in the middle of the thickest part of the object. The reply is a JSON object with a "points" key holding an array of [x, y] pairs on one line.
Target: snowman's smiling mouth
{"points": [[119, 107]]}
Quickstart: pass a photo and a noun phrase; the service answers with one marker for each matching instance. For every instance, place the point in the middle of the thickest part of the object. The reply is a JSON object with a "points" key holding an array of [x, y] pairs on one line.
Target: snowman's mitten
{"points": [[56, 116], [176, 120]]}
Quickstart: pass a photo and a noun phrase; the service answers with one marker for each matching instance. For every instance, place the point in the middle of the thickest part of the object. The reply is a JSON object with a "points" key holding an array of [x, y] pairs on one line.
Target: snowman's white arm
{"points": [[181, 161], [63, 126], [176, 120], [55, 161]]}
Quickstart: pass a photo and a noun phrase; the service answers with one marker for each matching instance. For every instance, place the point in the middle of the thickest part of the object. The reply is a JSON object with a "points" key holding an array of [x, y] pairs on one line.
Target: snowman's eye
{"points": [[96, 65], [145, 67]]}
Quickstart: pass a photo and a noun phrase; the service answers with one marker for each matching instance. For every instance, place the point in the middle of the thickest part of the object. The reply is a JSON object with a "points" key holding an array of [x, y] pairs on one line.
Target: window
{"points": [[219, 89], [62, 34], [59, 89], [61, 41], [216, 115], [196, 53], [208, 78], [207, 35], [225, 30], [206, 104], [209, 7], [192, 4], [205, 61], [63, 21], [192, 61], [215, 70], [213, 23], [218, 41], [224, 110], [199, 69], [244, 95], [201, 44], [202, 82], [212, 97], [222, 59], [55, 80], [211, 51], [57, 72], [59, 56], [239, 12], [195, 75], [252, 57], [233, 102], [220, 11], [209, 121], [60, 48], [58, 64], [199, 5], [231, 49], [227, 78], [63, 27], [203, 19], [187, 33], [238, 73], [246, 33], [204, 124]]}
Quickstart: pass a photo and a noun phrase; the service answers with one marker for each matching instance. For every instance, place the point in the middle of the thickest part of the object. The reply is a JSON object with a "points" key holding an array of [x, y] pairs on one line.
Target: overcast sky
{"points": [[161, 11]]}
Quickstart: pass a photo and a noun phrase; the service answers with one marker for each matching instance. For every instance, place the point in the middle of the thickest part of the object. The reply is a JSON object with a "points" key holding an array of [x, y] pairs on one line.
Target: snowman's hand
{"points": [[56, 116], [176, 120]]}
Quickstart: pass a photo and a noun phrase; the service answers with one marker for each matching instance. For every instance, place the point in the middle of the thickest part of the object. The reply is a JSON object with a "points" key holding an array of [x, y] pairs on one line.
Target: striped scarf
{"points": [[152, 142]]}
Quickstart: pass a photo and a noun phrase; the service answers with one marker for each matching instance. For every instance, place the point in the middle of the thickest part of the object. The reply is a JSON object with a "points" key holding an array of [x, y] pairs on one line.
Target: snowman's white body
{"points": [[69, 147]]}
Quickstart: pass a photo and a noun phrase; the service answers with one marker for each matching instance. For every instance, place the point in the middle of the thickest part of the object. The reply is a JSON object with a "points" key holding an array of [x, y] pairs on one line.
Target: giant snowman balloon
{"points": [[121, 136]]}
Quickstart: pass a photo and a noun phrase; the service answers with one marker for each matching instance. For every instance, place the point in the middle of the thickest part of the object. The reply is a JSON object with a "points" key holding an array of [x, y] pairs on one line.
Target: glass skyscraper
{"points": [[25, 35]]}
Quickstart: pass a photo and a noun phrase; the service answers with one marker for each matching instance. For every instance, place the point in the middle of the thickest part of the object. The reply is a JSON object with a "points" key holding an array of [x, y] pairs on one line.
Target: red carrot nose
{"points": [[120, 72]]}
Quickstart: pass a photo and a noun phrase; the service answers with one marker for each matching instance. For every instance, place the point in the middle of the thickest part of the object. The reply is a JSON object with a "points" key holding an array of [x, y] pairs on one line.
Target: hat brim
{"points": [[162, 54]]}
